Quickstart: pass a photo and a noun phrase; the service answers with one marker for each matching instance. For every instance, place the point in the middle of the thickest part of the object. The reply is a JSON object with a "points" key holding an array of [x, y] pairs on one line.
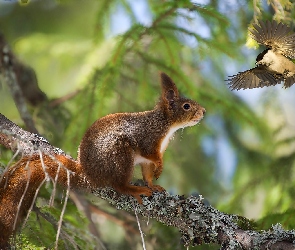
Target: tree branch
{"points": [[198, 223], [13, 137], [9, 67]]}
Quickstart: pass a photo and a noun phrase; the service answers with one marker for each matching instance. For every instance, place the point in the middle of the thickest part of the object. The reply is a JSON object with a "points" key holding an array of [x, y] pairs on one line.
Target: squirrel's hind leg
{"points": [[123, 171], [148, 173], [135, 191]]}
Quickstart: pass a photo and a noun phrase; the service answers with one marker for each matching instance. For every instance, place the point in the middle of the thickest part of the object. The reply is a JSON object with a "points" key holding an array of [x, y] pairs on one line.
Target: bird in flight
{"points": [[274, 64]]}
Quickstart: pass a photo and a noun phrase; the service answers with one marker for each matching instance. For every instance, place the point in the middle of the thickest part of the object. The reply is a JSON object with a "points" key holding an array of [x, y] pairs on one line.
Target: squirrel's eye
{"points": [[186, 106]]}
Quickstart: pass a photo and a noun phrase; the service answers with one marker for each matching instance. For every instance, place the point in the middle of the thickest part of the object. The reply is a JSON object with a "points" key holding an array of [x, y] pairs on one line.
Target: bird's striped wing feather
{"points": [[253, 78], [289, 81], [277, 36]]}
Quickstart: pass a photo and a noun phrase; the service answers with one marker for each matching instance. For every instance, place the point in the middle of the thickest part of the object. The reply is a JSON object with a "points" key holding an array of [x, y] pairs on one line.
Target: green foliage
{"points": [[71, 47], [286, 219], [26, 244], [246, 224]]}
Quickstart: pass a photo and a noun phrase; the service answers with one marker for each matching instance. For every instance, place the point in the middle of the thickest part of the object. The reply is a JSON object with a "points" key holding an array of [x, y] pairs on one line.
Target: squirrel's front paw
{"points": [[157, 172]]}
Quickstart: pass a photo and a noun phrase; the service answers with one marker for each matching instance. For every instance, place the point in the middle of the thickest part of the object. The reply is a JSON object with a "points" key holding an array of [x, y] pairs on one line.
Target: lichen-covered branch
{"points": [[15, 138], [198, 222]]}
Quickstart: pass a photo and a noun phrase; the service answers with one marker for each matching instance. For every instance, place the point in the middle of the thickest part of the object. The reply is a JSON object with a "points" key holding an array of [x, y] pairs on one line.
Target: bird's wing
{"points": [[289, 81], [257, 77], [277, 36]]}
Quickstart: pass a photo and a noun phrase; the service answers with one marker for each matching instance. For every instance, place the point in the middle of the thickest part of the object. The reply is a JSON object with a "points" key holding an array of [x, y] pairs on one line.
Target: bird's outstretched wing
{"points": [[257, 77], [276, 36], [289, 81]]}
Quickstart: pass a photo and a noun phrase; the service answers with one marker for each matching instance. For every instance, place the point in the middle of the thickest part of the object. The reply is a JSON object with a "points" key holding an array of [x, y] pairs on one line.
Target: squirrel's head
{"points": [[180, 110]]}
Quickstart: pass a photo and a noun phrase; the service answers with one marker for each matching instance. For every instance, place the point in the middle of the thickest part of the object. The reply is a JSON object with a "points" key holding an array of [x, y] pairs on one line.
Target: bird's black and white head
{"points": [[272, 61], [259, 58]]}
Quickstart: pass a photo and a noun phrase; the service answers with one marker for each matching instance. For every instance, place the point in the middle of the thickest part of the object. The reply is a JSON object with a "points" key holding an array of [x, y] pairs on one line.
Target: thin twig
{"points": [[63, 210], [51, 201], [43, 165], [24, 193], [62, 99], [139, 227], [63, 234], [7, 167], [32, 204], [83, 205], [114, 219]]}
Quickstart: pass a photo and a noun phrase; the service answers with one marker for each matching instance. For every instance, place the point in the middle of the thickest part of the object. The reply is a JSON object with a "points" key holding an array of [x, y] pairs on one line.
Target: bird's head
{"points": [[262, 58]]}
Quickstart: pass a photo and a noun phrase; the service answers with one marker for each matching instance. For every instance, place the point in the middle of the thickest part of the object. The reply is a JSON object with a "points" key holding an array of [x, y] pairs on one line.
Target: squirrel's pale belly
{"points": [[168, 136], [165, 141], [172, 130], [140, 159]]}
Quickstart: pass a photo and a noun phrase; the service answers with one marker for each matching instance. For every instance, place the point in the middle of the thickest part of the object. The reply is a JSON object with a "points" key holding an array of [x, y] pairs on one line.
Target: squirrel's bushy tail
{"points": [[21, 182]]}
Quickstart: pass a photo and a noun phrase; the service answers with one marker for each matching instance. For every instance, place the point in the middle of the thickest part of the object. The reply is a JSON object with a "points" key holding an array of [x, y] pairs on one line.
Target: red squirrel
{"points": [[114, 144], [108, 152]]}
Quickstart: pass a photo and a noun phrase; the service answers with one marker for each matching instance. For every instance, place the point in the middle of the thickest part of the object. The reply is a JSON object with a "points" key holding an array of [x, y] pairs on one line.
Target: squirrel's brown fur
{"points": [[108, 152], [115, 143]]}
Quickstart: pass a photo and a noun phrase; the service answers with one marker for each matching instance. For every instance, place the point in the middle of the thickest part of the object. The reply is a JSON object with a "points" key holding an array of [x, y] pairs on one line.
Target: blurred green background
{"points": [[93, 58]]}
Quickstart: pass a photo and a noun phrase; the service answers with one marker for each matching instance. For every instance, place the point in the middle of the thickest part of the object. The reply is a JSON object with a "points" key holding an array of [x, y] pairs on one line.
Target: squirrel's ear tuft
{"points": [[169, 89]]}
